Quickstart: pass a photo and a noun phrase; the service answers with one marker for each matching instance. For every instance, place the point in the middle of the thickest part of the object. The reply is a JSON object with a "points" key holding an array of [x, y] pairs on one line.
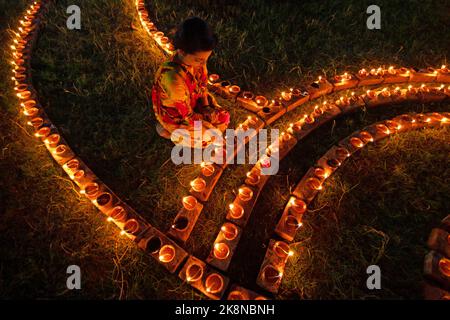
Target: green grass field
{"points": [[378, 209]]}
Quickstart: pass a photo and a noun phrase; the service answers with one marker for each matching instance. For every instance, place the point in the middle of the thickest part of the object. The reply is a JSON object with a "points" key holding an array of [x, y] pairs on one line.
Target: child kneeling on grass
{"points": [[180, 95]]}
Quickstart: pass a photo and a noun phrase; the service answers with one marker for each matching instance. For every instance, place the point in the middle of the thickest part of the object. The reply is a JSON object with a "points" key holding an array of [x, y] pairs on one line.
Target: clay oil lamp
{"points": [[253, 177], [363, 73], [271, 275], [131, 227], [294, 127], [213, 78], [234, 89], [103, 201], [207, 169], [285, 137], [194, 272], [385, 92], [245, 194], [52, 140], [297, 206], [180, 223], [321, 173], [221, 250], [248, 95], [72, 166], [236, 211], [229, 231], [198, 184], [287, 96], [333, 163], [382, 128], [365, 136], [356, 142], [309, 119], [261, 101], [91, 190], [36, 122], [292, 223], [214, 283], [117, 214], [282, 250], [393, 125], [251, 120], [341, 152], [412, 90], [166, 253], [370, 94], [189, 202], [43, 132]]}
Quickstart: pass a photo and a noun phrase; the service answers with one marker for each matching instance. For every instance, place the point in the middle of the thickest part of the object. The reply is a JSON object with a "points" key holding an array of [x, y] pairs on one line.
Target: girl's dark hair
{"points": [[194, 35]]}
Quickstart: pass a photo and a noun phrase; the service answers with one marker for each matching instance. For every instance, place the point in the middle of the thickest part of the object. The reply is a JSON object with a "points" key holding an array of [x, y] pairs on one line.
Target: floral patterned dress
{"points": [[178, 94]]}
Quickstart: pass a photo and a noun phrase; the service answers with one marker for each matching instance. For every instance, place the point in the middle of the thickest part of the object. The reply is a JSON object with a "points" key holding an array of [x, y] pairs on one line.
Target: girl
{"points": [[180, 95]]}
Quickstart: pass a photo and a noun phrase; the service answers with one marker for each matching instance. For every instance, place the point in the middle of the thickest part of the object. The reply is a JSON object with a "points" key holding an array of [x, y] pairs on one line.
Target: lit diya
{"points": [[198, 184], [248, 95], [234, 89], [365, 136], [261, 101], [341, 152], [321, 173], [53, 140], [287, 96], [370, 94], [229, 231], [382, 128], [363, 73], [189, 202], [117, 213], [166, 253], [194, 272], [236, 211], [271, 275], [282, 249], [333, 163], [444, 267], [43, 132], [214, 283], [309, 119], [103, 200], [91, 190], [131, 227], [207, 169], [292, 223], [36, 122], [253, 178], [221, 250], [245, 194], [213, 78], [356, 142], [298, 206]]}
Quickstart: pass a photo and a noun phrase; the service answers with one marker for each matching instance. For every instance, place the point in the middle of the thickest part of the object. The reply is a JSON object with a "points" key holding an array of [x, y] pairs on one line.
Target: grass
{"points": [[94, 84]]}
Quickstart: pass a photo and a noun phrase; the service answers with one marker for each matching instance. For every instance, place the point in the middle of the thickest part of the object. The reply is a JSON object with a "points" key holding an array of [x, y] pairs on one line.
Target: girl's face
{"points": [[196, 59]]}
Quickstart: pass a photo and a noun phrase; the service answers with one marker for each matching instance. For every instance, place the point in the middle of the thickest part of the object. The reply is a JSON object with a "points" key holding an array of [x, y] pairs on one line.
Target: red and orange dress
{"points": [[180, 97]]}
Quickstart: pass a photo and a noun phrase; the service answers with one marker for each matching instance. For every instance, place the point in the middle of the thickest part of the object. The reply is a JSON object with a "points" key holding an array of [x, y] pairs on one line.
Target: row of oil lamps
{"points": [[221, 250], [166, 251], [272, 269]]}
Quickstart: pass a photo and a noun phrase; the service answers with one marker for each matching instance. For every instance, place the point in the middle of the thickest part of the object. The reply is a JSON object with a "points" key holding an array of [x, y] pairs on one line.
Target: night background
{"points": [[94, 84]]}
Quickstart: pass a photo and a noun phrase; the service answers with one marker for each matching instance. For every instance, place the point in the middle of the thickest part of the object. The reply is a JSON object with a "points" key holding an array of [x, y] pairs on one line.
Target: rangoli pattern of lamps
{"points": [[130, 223], [313, 180], [81, 175]]}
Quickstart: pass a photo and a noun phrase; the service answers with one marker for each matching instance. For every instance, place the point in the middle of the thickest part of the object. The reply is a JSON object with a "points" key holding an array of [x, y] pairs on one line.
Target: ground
{"points": [[379, 209]]}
